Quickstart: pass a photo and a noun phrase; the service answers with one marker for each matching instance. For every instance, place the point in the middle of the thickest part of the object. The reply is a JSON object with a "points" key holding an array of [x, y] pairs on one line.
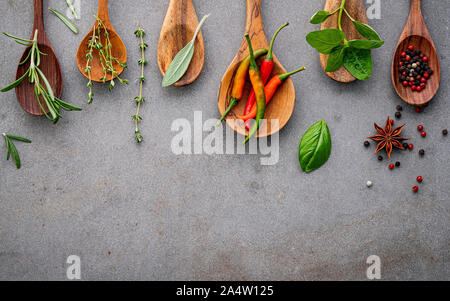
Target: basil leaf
{"points": [[181, 61], [335, 59], [320, 17], [65, 20], [366, 31], [365, 44], [358, 62], [325, 40], [315, 147]]}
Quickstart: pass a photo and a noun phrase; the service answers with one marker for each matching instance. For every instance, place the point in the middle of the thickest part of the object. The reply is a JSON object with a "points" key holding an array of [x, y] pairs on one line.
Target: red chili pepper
{"points": [[270, 90], [266, 70]]}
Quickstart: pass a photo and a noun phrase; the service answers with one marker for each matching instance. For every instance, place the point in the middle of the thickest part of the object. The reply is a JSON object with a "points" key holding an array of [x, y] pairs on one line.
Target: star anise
{"points": [[388, 138]]}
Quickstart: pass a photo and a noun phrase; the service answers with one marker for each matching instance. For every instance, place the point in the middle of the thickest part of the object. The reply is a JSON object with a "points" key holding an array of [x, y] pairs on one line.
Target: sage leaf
{"points": [[65, 20], [315, 147], [335, 59], [325, 40], [366, 31], [358, 62], [365, 44], [320, 17], [182, 60]]}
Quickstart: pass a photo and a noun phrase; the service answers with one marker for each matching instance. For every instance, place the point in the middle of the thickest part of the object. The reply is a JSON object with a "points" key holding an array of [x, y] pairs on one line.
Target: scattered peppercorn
{"points": [[366, 143], [445, 132], [411, 146], [380, 158], [419, 179], [391, 166], [418, 110], [415, 188], [398, 115], [423, 134], [420, 128], [369, 184], [397, 164], [422, 152], [405, 145], [399, 108]]}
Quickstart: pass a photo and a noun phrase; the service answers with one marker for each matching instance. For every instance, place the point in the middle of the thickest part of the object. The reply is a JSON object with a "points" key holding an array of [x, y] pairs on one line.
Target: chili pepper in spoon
{"points": [[239, 82], [258, 86], [270, 90], [266, 71]]}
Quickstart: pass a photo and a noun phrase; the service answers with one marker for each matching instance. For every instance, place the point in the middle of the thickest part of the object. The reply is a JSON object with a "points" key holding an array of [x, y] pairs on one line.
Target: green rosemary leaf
{"points": [[66, 106], [16, 83], [24, 44], [15, 154], [72, 9], [8, 147], [17, 38], [182, 60], [65, 20], [18, 138]]}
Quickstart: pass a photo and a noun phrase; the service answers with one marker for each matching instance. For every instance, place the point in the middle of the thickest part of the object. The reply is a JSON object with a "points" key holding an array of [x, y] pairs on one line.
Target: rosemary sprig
{"points": [[72, 9], [11, 148], [42, 86], [140, 33], [106, 59]]}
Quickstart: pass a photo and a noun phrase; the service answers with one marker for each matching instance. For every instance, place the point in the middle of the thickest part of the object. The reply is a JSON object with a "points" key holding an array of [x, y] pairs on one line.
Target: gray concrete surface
{"points": [[140, 212]]}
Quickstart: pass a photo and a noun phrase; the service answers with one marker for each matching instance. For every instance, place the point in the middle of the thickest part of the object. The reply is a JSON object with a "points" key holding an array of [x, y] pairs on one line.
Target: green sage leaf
{"points": [[320, 17], [335, 59], [182, 60], [366, 31], [365, 44], [358, 62], [315, 147], [65, 20], [325, 40]]}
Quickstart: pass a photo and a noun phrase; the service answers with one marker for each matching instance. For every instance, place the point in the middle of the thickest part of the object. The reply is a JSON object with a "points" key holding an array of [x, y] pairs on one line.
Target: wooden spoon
{"points": [[118, 48], [281, 106], [49, 66], [177, 31], [357, 10], [416, 33]]}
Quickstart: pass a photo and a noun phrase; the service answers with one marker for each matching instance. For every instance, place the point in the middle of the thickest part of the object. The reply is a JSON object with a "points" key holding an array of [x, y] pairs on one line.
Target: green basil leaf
{"points": [[365, 44], [358, 62], [366, 31], [181, 61], [65, 20], [320, 17], [325, 40], [335, 59], [315, 147]]}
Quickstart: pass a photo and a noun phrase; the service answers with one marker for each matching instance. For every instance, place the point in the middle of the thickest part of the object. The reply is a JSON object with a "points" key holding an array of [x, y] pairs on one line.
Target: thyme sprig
{"points": [[11, 148], [106, 59], [140, 33], [42, 87]]}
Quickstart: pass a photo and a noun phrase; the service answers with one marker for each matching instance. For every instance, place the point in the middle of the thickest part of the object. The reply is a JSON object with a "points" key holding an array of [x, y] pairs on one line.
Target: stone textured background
{"points": [[140, 212]]}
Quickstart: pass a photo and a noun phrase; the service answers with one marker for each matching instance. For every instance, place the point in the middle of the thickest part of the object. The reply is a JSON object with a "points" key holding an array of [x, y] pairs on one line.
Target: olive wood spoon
{"points": [[357, 10], [118, 48], [177, 31], [281, 106], [49, 66], [416, 33]]}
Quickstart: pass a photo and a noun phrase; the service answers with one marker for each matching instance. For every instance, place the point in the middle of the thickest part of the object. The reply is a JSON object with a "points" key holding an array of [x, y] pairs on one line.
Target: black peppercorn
{"points": [[399, 108], [397, 164], [398, 115], [380, 158], [422, 152], [445, 132], [366, 143], [406, 146]]}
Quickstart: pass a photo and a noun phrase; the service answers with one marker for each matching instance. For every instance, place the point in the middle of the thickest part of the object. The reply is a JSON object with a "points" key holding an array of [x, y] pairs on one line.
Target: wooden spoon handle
{"points": [[416, 23], [39, 21], [102, 12], [254, 25]]}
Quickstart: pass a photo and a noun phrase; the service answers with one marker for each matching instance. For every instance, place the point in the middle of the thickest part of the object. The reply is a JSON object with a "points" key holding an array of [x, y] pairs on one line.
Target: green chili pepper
{"points": [[258, 87], [239, 82]]}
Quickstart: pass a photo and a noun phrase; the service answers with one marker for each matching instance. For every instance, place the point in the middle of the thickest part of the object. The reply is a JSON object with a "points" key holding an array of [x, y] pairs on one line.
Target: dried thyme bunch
{"points": [[107, 60], [140, 33]]}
